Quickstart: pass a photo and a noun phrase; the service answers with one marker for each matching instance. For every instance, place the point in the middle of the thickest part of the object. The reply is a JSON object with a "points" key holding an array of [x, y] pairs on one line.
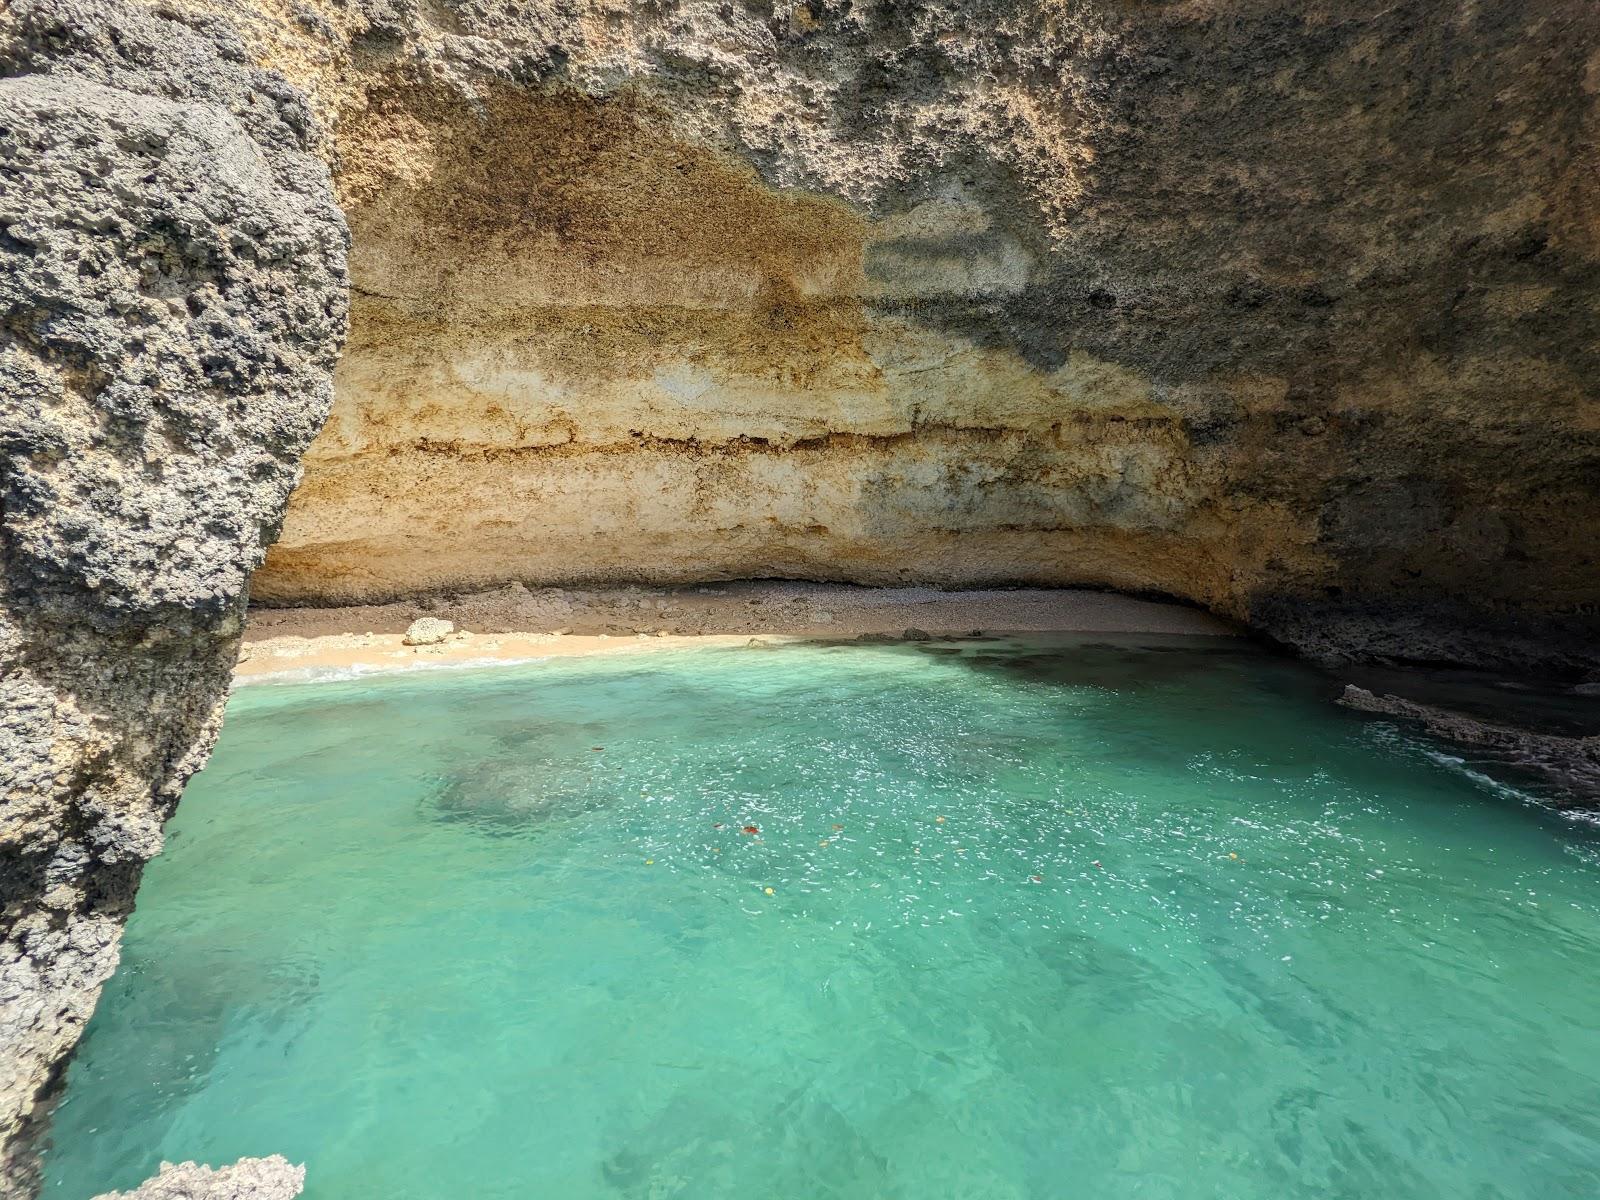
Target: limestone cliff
{"points": [[171, 305], [1288, 310]]}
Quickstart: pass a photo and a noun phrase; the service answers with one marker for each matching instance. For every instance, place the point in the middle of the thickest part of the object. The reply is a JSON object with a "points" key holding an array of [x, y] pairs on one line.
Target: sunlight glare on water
{"points": [[1048, 918]]}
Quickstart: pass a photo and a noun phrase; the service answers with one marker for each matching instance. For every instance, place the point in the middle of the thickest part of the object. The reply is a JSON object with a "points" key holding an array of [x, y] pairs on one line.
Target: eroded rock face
{"points": [[171, 305], [1290, 310]]}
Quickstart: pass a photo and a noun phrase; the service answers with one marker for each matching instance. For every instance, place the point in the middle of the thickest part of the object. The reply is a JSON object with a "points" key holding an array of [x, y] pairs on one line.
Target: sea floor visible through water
{"points": [[1044, 917]]}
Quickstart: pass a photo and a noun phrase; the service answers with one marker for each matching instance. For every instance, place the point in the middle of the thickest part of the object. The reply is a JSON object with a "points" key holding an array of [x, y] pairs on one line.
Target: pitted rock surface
{"points": [[271, 1178], [171, 305]]}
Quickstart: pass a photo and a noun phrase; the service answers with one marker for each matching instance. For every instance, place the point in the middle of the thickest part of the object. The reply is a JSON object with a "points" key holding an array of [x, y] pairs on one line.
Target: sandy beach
{"points": [[516, 622]]}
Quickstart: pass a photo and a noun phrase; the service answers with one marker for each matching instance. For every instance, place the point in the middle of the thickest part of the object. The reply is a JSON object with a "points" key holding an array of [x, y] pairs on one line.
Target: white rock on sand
{"points": [[427, 631]]}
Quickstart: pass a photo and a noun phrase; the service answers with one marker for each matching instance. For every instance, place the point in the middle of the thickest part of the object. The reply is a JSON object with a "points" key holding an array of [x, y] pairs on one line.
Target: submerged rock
{"points": [[271, 1178]]}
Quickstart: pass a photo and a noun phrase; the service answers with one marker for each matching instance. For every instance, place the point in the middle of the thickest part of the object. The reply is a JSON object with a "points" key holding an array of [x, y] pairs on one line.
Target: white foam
{"points": [[1504, 790], [1387, 732], [345, 674]]}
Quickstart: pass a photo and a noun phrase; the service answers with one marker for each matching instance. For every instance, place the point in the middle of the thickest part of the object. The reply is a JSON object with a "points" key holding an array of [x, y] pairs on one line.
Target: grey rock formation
{"points": [[171, 305], [271, 1178]]}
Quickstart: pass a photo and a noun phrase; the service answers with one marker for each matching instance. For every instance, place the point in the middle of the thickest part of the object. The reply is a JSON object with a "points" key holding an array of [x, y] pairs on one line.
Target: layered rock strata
{"points": [[171, 305], [1287, 310]]}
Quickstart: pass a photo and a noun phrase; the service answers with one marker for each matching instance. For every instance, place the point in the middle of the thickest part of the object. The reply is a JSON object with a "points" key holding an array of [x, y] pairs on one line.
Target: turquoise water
{"points": [[1046, 920]]}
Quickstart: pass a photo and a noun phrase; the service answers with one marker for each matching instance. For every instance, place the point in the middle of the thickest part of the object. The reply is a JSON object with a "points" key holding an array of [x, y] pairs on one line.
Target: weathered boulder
{"points": [[172, 300], [427, 631]]}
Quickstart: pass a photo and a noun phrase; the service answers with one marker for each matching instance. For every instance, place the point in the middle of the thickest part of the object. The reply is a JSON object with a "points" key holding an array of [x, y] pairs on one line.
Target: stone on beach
{"points": [[427, 631]]}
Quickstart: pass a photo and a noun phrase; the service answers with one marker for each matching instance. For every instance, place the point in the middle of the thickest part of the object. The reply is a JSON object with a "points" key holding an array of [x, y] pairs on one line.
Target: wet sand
{"points": [[515, 622]]}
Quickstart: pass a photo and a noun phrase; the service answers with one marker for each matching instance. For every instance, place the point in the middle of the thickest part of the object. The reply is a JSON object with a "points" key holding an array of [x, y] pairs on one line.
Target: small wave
{"points": [[1489, 783], [1391, 736], [1498, 787], [346, 674]]}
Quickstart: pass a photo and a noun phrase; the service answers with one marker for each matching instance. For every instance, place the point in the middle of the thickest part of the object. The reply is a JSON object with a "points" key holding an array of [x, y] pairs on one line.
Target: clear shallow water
{"points": [[421, 935]]}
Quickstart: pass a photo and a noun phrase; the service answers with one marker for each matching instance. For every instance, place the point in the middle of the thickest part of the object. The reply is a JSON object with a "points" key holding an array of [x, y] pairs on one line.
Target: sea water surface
{"points": [[1048, 918]]}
